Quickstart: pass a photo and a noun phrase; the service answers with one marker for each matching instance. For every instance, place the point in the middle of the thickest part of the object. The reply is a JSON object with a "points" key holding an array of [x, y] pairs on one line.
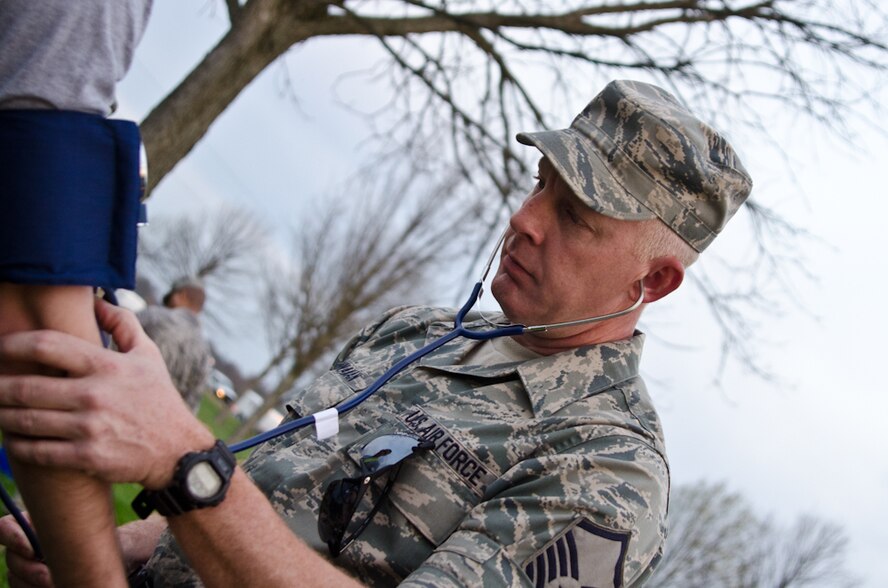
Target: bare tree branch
{"points": [[265, 29], [346, 272], [234, 10], [462, 76], [717, 539], [220, 248]]}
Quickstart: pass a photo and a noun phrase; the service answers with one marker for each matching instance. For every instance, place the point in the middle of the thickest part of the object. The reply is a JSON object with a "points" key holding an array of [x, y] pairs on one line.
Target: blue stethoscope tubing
{"points": [[458, 330]]}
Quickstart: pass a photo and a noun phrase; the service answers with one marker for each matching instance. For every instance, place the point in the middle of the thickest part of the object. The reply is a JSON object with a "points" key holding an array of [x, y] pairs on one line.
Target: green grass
{"points": [[211, 411]]}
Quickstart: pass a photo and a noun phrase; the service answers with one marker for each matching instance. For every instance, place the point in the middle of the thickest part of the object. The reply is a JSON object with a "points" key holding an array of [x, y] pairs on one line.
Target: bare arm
{"points": [[228, 545], [119, 416], [73, 515]]}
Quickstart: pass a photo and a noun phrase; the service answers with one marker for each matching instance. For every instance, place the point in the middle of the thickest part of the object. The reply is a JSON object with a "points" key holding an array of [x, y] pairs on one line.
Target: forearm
{"points": [[243, 542], [68, 309], [72, 512], [138, 540]]}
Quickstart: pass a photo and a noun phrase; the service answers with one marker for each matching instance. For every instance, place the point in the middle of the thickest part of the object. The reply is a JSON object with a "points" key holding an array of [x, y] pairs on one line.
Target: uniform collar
{"points": [[449, 357], [552, 382]]}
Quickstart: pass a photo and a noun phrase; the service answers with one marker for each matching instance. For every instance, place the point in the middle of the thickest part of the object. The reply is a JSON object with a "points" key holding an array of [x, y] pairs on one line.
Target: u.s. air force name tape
{"points": [[462, 461]]}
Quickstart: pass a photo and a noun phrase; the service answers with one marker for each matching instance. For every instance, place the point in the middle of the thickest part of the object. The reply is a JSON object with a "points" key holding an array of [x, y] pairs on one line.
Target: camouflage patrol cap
{"points": [[636, 153]]}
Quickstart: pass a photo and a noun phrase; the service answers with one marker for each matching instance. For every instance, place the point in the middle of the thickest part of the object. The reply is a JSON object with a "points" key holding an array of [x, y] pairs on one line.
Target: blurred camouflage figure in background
{"points": [[536, 460], [176, 330]]}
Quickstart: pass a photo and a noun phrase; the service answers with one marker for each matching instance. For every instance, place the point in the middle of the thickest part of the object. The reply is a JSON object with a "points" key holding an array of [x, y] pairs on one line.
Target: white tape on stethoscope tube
{"points": [[326, 423]]}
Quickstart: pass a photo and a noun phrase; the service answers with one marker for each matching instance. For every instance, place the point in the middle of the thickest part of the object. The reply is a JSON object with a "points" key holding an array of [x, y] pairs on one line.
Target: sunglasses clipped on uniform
{"points": [[379, 457]]}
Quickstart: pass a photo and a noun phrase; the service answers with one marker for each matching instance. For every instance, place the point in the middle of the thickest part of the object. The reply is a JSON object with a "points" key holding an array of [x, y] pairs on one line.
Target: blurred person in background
{"points": [[176, 330]]}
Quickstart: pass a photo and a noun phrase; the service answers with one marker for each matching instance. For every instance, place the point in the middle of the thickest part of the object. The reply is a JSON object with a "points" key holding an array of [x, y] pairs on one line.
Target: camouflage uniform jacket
{"points": [[547, 472]]}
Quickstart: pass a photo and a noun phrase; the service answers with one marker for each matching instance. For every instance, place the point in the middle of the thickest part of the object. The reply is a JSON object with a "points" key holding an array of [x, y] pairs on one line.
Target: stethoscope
{"points": [[322, 420]]}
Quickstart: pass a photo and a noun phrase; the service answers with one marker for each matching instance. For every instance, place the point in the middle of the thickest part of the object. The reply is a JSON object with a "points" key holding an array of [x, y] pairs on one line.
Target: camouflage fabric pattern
{"points": [[636, 153], [527, 455], [179, 337]]}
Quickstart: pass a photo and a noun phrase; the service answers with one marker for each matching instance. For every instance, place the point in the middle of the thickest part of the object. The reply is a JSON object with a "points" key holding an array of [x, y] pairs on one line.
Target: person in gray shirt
{"points": [[59, 63], [176, 330]]}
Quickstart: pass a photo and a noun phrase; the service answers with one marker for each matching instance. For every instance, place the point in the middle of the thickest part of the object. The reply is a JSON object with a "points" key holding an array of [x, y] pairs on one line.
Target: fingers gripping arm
{"points": [[73, 514]]}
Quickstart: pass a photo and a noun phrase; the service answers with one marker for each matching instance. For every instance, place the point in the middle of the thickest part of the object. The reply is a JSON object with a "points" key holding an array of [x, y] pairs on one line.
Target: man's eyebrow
{"points": [[588, 215]]}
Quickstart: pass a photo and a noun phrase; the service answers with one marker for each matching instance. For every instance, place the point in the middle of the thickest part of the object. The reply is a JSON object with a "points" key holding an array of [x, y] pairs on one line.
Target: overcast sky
{"points": [[814, 443]]}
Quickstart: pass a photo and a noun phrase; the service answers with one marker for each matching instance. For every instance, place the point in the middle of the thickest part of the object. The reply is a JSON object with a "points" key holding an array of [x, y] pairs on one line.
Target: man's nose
{"points": [[530, 219]]}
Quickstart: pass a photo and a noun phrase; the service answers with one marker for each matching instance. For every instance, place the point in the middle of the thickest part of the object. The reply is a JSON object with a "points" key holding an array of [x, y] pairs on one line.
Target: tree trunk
{"points": [[265, 30]]}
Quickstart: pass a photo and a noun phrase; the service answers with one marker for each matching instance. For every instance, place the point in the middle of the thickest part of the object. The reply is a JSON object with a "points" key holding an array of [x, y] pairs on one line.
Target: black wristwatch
{"points": [[201, 479]]}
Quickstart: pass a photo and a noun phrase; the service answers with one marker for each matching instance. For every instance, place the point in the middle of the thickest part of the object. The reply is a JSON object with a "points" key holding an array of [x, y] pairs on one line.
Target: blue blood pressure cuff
{"points": [[70, 192]]}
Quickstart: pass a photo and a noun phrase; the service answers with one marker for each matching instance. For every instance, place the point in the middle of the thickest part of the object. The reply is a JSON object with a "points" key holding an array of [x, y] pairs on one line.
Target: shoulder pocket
{"points": [[326, 391]]}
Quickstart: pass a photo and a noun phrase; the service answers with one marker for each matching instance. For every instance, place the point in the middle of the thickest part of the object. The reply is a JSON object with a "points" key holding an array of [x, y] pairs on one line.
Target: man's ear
{"points": [[664, 276]]}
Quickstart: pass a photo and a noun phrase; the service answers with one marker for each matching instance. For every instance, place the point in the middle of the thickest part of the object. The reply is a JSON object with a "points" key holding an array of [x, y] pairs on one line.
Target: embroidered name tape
{"points": [[454, 454]]}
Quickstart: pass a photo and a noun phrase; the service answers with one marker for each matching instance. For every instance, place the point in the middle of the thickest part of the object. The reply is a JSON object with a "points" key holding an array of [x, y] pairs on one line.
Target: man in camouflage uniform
{"points": [[546, 463], [176, 329]]}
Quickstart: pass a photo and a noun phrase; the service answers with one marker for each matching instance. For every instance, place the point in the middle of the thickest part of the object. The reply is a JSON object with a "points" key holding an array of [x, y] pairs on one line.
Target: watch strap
{"points": [[175, 499]]}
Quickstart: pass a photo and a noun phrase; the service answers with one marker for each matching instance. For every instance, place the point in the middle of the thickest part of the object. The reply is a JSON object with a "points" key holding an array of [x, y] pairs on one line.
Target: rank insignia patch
{"points": [[586, 556]]}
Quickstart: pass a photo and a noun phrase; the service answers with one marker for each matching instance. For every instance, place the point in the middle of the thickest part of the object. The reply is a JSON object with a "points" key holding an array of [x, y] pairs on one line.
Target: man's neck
{"points": [[566, 338]]}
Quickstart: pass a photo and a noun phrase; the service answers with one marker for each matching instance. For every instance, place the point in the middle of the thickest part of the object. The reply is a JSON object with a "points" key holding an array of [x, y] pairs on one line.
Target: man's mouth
{"points": [[514, 267]]}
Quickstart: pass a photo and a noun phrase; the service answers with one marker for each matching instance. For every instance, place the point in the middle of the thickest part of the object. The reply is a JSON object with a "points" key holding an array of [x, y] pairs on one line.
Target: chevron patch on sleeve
{"points": [[586, 556]]}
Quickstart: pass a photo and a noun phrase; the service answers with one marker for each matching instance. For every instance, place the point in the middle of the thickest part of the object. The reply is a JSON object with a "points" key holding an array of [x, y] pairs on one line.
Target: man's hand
{"points": [[24, 570], [115, 416], [137, 540]]}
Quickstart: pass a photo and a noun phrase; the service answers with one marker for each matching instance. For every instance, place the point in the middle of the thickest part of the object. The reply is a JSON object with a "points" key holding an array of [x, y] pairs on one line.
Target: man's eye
{"points": [[541, 183], [576, 219], [573, 216]]}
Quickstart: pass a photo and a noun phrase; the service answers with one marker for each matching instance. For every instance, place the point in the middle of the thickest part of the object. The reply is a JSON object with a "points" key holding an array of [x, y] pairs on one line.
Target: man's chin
{"points": [[503, 290], [511, 307]]}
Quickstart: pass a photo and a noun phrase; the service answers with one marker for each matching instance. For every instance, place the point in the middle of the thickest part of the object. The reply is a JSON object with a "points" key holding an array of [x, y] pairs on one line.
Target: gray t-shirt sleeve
{"points": [[65, 54]]}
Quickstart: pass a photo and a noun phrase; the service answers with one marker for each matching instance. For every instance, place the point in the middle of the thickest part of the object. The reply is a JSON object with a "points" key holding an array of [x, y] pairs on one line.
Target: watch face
{"points": [[203, 481]]}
